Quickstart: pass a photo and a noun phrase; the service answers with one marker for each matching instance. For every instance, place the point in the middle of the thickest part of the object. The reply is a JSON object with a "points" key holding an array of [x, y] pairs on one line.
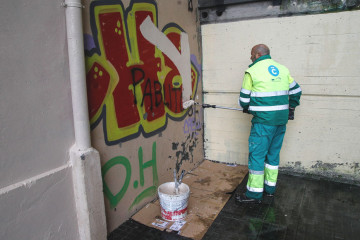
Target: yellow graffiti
{"points": [[152, 117]]}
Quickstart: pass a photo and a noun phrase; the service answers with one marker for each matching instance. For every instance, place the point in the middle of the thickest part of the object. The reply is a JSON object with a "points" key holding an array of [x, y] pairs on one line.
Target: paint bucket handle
{"points": [[181, 176]]}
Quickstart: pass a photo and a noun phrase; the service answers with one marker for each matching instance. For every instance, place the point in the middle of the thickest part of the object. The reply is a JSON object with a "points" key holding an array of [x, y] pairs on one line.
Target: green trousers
{"points": [[265, 142]]}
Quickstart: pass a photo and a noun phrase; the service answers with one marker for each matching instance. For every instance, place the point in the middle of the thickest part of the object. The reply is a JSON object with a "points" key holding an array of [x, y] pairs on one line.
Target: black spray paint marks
{"points": [[326, 166], [298, 164], [175, 146], [356, 166], [185, 151]]}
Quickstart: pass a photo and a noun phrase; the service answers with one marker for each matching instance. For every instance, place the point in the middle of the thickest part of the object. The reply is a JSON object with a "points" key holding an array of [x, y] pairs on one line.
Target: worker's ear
{"points": [[258, 55]]}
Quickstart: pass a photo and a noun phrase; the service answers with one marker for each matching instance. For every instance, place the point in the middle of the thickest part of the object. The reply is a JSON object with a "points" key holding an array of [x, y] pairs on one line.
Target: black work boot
{"points": [[242, 198]]}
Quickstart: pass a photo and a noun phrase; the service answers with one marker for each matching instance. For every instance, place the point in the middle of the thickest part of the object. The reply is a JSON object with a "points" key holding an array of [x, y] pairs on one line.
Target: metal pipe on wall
{"points": [[85, 160], [77, 73]]}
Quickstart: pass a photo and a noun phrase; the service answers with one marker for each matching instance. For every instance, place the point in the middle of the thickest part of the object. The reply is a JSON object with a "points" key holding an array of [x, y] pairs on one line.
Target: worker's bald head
{"points": [[258, 51]]}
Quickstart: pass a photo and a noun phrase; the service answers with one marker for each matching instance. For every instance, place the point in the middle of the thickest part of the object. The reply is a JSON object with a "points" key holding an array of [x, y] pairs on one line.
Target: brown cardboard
{"points": [[209, 185]]}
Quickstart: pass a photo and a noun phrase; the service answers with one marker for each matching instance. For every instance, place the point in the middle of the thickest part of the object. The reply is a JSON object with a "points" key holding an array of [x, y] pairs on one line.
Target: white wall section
{"points": [[321, 52], [180, 57]]}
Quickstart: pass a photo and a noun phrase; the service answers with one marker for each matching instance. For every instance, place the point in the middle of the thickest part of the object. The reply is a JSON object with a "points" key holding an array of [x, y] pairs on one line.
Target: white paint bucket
{"points": [[173, 206]]}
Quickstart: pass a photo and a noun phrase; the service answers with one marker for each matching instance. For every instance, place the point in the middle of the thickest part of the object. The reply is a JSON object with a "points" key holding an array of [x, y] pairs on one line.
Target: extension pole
{"points": [[215, 106], [190, 103]]}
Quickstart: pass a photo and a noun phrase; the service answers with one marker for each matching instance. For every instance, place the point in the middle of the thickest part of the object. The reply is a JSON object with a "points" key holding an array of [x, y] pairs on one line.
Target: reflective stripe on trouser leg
{"points": [[255, 184], [258, 146], [271, 174], [273, 159]]}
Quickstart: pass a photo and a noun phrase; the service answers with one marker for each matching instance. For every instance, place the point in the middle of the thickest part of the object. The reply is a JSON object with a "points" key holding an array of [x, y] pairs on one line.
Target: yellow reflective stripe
{"points": [[256, 180], [269, 94], [247, 82], [263, 80], [269, 108], [271, 174]]}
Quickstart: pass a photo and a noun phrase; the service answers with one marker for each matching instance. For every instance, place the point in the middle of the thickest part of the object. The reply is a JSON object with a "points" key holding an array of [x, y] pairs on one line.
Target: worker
{"points": [[270, 94]]}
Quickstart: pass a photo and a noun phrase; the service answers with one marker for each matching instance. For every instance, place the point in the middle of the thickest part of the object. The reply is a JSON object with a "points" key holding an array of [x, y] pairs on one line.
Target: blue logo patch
{"points": [[273, 70]]}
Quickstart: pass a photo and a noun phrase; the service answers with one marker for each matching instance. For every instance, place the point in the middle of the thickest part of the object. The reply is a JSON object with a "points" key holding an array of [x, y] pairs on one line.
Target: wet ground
{"points": [[303, 208]]}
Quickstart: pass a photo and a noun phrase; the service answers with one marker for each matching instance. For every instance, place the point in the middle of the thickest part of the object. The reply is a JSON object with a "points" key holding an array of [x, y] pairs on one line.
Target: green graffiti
{"points": [[151, 163], [115, 199], [136, 184], [150, 191]]}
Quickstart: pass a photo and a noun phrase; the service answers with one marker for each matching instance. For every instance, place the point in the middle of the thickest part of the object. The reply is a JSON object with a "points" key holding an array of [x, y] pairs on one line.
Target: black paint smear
{"points": [[175, 146], [186, 151]]}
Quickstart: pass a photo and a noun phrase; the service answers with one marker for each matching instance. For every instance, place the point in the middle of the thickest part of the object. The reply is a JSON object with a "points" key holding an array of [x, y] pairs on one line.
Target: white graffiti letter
{"points": [[181, 61]]}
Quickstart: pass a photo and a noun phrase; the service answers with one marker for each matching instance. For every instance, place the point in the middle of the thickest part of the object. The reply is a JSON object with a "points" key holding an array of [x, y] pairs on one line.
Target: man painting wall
{"points": [[271, 95]]}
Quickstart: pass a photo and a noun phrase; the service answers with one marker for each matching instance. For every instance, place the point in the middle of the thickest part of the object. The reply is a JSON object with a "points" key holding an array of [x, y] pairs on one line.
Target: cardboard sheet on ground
{"points": [[209, 185]]}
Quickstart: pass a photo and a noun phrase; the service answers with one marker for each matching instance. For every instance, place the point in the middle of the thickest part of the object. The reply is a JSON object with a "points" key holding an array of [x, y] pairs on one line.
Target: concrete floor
{"points": [[302, 208]]}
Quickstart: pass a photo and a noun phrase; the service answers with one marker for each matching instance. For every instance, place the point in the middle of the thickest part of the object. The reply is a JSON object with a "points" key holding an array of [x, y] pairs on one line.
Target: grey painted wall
{"points": [[36, 115], [36, 126]]}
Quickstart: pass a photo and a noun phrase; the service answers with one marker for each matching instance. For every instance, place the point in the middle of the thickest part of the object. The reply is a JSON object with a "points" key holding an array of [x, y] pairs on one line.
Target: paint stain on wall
{"points": [[319, 5], [184, 151], [326, 166]]}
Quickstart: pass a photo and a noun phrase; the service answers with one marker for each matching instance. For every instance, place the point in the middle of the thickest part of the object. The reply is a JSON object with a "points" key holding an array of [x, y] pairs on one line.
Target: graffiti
{"points": [[137, 75], [114, 199], [184, 150], [180, 59], [192, 124]]}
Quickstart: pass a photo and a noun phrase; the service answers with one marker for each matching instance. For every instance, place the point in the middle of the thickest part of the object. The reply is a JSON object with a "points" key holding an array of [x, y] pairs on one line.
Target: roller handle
{"points": [[208, 106], [181, 176]]}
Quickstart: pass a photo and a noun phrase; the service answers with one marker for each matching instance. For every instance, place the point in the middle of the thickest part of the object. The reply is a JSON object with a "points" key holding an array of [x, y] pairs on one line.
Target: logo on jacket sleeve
{"points": [[273, 70]]}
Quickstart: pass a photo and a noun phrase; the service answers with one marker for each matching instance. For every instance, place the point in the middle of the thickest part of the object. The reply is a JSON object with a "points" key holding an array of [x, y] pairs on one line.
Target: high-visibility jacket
{"points": [[268, 91]]}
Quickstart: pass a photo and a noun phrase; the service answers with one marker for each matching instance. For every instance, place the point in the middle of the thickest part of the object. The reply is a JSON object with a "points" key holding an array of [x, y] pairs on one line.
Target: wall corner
{"points": [[88, 193]]}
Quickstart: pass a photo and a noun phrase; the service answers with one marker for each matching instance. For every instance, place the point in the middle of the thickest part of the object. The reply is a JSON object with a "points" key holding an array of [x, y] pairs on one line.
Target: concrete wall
{"points": [[36, 196], [211, 11], [135, 97], [321, 52]]}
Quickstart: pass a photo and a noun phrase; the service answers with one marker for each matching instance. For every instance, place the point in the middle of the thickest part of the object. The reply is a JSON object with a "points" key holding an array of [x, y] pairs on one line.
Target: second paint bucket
{"points": [[173, 206]]}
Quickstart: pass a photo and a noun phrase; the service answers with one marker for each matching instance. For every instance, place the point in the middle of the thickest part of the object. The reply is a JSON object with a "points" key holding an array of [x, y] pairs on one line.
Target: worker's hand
{"points": [[291, 113], [246, 111]]}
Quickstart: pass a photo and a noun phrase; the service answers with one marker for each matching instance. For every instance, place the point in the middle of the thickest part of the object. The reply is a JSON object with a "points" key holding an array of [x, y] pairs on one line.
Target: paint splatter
{"points": [[185, 153]]}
